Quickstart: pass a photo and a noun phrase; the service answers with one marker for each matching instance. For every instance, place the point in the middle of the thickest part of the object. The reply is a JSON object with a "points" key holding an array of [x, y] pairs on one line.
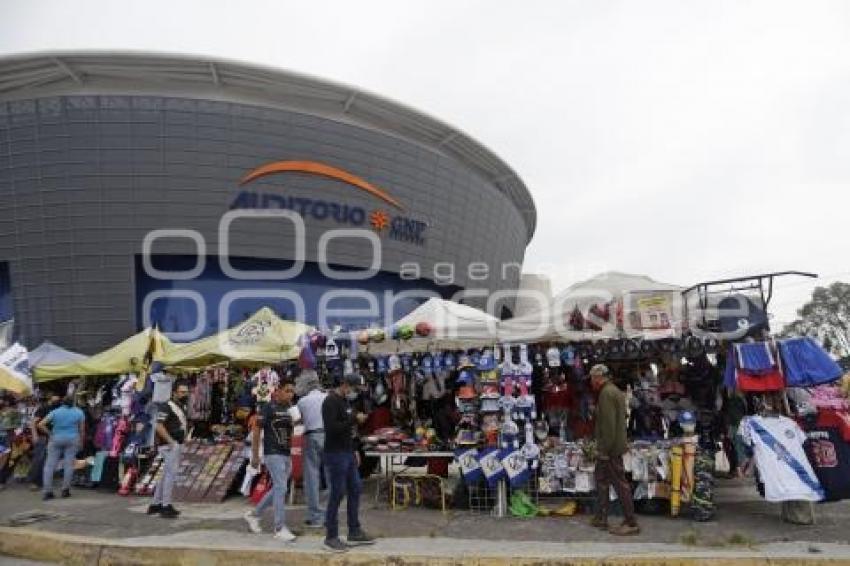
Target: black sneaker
{"points": [[359, 538], [169, 512], [335, 545], [154, 509], [66, 493], [48, 495]]}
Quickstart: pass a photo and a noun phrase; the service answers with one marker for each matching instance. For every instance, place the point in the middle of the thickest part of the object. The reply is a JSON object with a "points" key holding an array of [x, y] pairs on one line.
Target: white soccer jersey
{"points": [[777, 443]]}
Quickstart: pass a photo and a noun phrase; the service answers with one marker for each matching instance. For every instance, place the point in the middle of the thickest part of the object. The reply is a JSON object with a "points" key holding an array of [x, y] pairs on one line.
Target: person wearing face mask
{"points": [[65, 438], [172, 428], [340, 421], [39, 450]]}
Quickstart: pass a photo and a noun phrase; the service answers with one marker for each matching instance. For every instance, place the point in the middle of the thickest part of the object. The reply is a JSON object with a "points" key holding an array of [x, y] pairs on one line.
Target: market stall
{"points": [[437, 324]]}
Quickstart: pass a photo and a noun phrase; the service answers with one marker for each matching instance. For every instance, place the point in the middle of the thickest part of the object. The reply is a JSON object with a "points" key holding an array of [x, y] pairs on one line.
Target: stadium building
{"points": [[140, 188]]}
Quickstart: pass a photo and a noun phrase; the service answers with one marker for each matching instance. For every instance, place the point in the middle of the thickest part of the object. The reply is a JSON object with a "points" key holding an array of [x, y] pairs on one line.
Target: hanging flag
{"points": [[15, 373], [470, 469], [491, 464]]}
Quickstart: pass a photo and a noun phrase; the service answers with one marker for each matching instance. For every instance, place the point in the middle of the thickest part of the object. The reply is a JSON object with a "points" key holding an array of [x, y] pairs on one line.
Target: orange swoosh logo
{"points": [[315, 168]]}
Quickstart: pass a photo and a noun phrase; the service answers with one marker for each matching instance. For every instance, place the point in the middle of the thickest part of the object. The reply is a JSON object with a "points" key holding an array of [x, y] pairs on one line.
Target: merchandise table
{"points": [[389, 460]]}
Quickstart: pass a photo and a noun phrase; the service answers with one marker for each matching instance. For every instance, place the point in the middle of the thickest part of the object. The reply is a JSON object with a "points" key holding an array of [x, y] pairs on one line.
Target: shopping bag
{"points": [[264, 485], [251, 474], [721, 462]]}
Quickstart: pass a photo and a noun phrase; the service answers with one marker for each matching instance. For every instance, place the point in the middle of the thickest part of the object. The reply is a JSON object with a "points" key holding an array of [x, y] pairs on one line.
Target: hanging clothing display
{"points": [[752, 369], [755, 357], [777, 444], [806, 364], [829, 455]]}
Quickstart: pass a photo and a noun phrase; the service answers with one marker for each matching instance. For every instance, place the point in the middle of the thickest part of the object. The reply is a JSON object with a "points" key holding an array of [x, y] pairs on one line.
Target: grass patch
{"points": [[690, 538], [737, 539]]}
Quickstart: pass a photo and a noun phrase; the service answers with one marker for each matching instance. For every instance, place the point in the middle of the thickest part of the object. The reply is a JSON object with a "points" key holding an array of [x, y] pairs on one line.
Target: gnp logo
{"points": [[395, 227]]}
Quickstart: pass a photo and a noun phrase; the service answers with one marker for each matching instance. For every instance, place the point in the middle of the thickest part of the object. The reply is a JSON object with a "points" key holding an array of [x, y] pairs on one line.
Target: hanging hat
{"points": [[406, 332], [449, 361], [490, 404], [631, 347], [465, 362], [687, 421], [381, 365], [465, 377], [647, 347], [466, 392], [428, 365], [486, 362], [553, 357], [600, 349], [423, 329], [615, 348], [568, 354], [394, 363]]}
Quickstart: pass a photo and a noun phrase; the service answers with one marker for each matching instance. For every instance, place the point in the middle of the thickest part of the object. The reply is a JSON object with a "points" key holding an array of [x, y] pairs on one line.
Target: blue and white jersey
{"points": [[777, 443]]}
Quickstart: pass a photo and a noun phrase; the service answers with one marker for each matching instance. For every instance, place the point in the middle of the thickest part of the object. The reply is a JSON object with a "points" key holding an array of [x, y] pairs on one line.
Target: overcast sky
{"points": [[682, 140]]}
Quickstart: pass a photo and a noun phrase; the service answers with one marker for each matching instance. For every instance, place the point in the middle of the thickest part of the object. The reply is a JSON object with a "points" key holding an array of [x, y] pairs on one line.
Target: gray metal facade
{"points": [[84, 177]]}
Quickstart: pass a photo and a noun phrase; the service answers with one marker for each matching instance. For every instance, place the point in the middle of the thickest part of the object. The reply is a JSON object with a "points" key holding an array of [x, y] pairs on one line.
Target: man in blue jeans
{"points": [[276, 420], [307, 386], [340, 423], [65, 439]]}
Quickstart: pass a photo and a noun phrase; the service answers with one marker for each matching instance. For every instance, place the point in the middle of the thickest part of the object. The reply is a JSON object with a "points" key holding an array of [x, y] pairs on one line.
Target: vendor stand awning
{"points": [[264, 338], [128, 356], [15, 371], [609, 305], [453, 326], [48, 353]]}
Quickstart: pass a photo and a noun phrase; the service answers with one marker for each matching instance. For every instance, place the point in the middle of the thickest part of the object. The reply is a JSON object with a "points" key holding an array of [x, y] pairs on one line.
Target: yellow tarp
{"points": [[263, 338], [126, 357]]}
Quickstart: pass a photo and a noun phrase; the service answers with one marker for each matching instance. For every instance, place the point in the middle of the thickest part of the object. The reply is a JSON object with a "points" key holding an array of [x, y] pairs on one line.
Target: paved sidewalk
{"points": [[109, 525]]}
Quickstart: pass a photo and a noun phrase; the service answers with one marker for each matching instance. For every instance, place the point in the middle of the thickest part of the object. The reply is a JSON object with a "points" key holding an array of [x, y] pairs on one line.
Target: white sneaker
{"points": [[253, 522], [284, 535]]}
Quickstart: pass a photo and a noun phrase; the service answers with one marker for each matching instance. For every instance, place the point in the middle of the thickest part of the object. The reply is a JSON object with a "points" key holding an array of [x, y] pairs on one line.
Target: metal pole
{"points": [[500, 510]]}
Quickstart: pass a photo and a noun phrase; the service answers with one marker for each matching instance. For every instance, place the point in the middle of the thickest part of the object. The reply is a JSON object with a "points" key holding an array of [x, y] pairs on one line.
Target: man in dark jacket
{"points": [[340, 422], [610, 434]]}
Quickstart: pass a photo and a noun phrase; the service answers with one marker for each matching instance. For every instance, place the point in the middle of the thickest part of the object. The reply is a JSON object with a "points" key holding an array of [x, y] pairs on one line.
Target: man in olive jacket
{"points": [[610, 434]]}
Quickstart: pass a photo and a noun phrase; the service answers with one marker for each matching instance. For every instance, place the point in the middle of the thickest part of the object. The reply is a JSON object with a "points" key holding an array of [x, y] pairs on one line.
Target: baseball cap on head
{"points": [[600, 370]]}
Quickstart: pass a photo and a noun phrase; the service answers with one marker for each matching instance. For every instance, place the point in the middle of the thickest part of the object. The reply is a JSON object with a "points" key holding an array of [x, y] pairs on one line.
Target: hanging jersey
{"points": [[777, 443], [829, 455]]}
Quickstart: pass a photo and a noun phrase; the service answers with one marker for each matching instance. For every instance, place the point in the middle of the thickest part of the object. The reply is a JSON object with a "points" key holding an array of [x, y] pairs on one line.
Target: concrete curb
{"points": [[89, 551]]}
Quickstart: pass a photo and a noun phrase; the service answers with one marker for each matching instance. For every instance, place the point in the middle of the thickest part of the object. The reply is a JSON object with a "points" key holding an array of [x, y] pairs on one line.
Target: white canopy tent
{"points": [[638, 297], [453, 326], [48, 353]]}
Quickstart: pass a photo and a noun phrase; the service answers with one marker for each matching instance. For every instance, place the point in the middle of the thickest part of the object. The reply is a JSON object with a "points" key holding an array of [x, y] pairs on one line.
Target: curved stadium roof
{"points": [[50, 74]]}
